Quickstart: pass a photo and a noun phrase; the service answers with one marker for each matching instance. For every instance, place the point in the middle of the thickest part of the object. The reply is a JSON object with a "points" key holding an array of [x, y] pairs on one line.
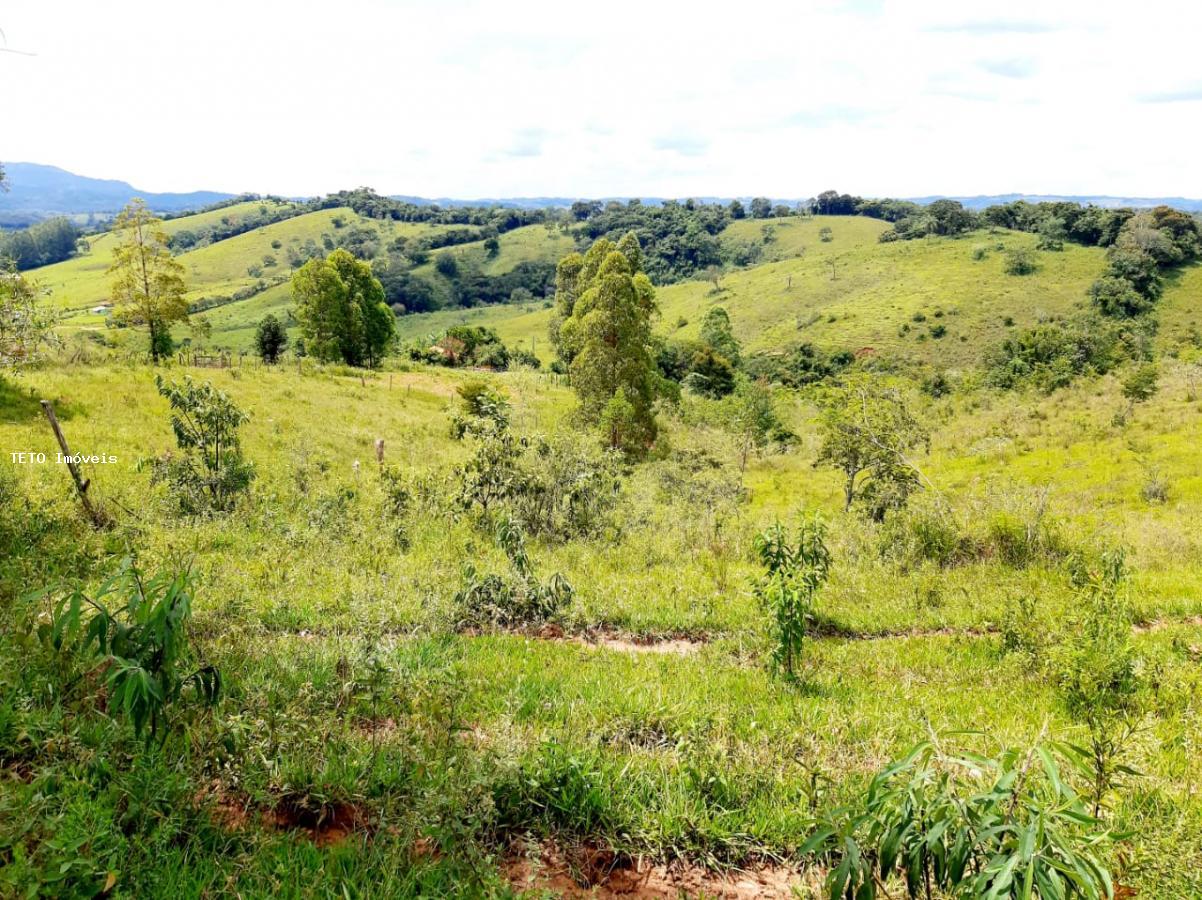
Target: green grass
{"points": [[703, 756], [877, 291]]}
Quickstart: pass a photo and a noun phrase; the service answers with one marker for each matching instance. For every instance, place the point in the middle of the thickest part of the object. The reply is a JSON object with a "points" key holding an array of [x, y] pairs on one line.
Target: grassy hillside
{"points": [[889, 297], [79, 284], [598, 732]]}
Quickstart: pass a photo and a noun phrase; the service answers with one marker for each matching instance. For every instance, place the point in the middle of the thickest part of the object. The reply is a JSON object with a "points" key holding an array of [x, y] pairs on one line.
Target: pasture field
{"points": [[365, 746], [888, 297]]}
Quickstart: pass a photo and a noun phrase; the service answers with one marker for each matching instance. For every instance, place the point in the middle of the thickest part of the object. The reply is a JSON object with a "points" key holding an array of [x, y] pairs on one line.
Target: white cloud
{"points": [[472, 98]]}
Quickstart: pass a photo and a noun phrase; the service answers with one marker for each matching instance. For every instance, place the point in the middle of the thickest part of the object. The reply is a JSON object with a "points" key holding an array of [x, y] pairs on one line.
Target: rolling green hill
{"points": [[849, 293]]}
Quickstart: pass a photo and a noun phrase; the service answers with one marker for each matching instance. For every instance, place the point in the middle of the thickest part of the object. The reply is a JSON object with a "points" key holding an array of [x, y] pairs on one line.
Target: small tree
{"points": [[1096, 672], [211, 473], [25, 329], [867, 430], [825, 234], [270, 339], [717, 332], [1139, 387], [793, 574], [148, 282], [752, 417]]}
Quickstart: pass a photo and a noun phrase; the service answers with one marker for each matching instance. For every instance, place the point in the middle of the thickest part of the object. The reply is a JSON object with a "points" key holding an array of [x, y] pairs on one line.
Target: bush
{"points": [[211, 473], [140, 645], [966, 826], [793, 574], [1020, 261], [518, 599]]}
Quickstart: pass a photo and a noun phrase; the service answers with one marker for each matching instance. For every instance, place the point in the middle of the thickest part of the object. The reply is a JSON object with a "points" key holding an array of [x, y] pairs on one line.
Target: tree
{"points": [[605, 303], [867, 429], [752, 417], [1020, 261], [761, 208], [736, 210], [270, 339], [148, 282], [1114, 296], [716, 331], [25, 329], [340, 305], [210, 472], [1139, 387]]}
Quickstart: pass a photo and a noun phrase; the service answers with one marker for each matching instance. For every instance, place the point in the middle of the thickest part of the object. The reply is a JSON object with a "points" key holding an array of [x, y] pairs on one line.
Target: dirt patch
{"points": [[1159, 624], [598, 872], [325, 824], [672, 645]]}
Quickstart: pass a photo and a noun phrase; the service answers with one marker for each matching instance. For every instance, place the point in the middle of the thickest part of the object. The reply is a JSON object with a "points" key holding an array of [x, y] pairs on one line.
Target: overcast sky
{"points": [[517, 98]]}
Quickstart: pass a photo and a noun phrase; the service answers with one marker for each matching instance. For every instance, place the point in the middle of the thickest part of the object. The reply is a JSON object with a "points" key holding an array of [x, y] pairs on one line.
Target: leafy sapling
{"points": [[794, 572]]}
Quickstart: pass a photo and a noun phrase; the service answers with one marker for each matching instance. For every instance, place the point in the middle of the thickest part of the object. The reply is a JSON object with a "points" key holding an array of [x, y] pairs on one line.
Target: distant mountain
{"points": [[981, 201], [36, 191]]}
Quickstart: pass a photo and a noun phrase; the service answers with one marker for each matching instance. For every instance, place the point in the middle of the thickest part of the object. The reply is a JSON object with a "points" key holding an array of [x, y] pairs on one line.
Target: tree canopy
{"points": [[340, 305], [148, 282], [603, 333]]}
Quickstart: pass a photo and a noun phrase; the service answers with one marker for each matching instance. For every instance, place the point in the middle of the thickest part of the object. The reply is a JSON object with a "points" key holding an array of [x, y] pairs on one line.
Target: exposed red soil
{"points": [[600, 873], [325, 824]]}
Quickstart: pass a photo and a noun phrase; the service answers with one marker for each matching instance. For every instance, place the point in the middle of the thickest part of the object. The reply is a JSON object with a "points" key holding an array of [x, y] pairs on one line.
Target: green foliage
{"points": [[710, 373], [867, 431], [140, 644], [148, 282], [751, 416], [1008, 826], [716, 332], [270, 339], [605, 304], [25, 325], [41, 244], [794, 572], [1052, 356], [1020, 261], [341, 309], [515, 600], [1096, 671], [211, 473], [804, 364]]}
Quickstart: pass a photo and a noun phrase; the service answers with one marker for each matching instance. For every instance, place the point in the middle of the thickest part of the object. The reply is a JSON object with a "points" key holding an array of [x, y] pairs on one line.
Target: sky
{"points": [[521, 99]]}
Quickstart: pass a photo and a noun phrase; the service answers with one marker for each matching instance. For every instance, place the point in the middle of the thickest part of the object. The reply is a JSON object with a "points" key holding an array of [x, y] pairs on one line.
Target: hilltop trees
{"points": [[602, 331], [148, 282], [340, 305]]}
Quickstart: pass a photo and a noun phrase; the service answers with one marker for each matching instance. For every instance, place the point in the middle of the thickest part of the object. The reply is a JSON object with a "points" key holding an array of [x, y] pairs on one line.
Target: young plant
{"points": [[517, 600], [211, 473], [794, 571], [135, 628], [1096, 672], [965, 826]]}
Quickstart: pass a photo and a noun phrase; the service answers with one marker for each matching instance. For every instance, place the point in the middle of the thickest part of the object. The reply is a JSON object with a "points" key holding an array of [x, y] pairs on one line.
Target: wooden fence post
{"points": [[96, 513]]}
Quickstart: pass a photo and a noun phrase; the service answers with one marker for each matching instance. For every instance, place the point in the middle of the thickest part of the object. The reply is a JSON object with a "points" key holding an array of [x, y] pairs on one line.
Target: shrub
{"points": [[270, 339], [211, 473], [793, 574], [142, 643], [1020, 261], [967, 826], [518, 599], [1095, 669]]}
